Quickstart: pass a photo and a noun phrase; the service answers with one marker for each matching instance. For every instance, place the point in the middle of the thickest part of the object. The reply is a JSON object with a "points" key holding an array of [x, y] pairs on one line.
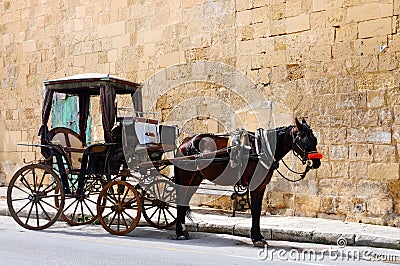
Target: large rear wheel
{"points": [[118, 207], [32, 195]]}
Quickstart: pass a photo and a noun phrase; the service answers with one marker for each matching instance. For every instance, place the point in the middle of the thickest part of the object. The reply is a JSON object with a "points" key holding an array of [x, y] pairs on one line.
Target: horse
{"points": [[248, 159]]}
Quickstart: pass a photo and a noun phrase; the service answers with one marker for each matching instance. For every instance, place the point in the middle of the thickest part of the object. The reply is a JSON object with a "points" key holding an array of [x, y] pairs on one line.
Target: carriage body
{"points": [[79, 181]]}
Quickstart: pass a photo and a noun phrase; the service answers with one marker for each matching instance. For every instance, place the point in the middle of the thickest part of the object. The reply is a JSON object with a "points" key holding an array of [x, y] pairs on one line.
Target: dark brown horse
{"points": [[248, 159]]}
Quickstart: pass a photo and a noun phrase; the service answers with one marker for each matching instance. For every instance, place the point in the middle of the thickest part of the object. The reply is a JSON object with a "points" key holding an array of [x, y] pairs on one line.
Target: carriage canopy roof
{"points": [[91, 83], [84, 86]]}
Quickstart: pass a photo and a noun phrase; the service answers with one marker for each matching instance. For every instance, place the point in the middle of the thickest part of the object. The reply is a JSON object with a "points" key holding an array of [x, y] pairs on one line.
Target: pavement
{"points": [[273, 227]]}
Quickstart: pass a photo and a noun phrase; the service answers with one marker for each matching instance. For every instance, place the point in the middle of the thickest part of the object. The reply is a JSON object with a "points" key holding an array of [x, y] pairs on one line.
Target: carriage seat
{"points": [[71, 143]]}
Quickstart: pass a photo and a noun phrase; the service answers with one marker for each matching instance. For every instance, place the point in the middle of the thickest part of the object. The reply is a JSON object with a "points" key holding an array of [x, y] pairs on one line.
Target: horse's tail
{"points": [[188, 213]]}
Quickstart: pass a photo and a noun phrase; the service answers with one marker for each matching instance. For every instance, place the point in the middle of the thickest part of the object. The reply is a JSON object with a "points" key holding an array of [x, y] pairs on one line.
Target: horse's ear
{"points": [[304, 122], [299, 125]]}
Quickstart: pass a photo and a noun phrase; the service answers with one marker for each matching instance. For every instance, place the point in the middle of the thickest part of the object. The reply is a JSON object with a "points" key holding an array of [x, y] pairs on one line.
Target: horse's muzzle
{"points": [[313, 164]]}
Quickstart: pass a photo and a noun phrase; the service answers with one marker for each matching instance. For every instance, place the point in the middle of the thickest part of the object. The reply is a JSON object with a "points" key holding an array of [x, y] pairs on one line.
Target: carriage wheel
{"points": [[79, 210], [159, 207], [118, 207], [32, 195]]}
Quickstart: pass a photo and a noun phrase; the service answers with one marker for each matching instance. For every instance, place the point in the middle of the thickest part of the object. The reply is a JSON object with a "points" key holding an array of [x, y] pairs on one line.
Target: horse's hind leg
{"points": [[186, 185]]}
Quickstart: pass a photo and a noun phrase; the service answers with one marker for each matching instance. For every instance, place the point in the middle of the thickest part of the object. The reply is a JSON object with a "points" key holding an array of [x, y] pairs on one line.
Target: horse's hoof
{"points": [[259, 243], [183, 237]]}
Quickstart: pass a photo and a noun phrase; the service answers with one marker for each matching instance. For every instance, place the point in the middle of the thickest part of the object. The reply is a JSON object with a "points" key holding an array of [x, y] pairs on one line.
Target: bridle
{"points": [[306, 159]]}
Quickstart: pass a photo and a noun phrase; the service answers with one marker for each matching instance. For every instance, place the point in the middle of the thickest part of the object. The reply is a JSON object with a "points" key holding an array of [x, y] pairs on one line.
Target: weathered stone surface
{"points": [[334, 62]]}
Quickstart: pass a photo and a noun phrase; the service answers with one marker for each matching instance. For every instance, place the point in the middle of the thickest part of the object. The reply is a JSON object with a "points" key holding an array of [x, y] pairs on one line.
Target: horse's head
{"points": [[305, 144]]}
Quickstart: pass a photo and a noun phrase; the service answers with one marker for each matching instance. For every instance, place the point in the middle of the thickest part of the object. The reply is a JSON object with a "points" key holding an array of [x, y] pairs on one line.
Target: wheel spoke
{"points": [[45, 212], [82, 212], [119, 217], [159, 216], [165, 216], [112, 220], [26, 183], [41, 180], [66, 208], [92, 201], [37, 214], [22, 190], [133, 219], [52, 186], [173, 216], [123, 219], [34, 181], [29, 214], [93, 215], [151, 216], [74, 212], [48, 204], [23, 207]]}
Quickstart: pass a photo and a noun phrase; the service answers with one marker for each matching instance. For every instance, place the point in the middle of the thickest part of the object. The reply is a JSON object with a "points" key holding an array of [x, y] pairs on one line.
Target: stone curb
{"points": [[284, 234]]}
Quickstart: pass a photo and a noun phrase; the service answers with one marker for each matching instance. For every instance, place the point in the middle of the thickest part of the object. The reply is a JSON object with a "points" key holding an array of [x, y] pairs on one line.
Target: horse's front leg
{"points": [[181, 233], [256, 203]]}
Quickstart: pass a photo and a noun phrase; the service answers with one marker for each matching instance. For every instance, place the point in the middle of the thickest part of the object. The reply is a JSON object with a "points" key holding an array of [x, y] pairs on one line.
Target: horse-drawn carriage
{"points": [[127, 175], [84, 182]]}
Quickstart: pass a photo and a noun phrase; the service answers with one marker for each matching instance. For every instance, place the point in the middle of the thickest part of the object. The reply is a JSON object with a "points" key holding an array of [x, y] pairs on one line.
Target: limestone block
{"points": [[375, 98], [380, 206], [170, 59], [116, 29], [379, 136], [396, 114], [374, 81], [356, 100], [335, 17], [243, 18], [28, 46], [342, 50], [355, 135], [371, 28], [383, 171], [293, 8], [80, 11], [384, 153], [387, 61], [369, 11], [277, 27], [259, 14], [318, 5], [393, 97], [307, 205], [361, 152], [122, 41], [318, 20], [298, 23], [340, 169], [320, 53], [338, 152], [358, 170], [368, 188]]}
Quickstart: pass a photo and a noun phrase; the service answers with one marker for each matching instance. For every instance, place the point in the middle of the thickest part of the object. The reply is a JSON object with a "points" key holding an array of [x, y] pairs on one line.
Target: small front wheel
{"points": [[35, 197], [118, 207]]}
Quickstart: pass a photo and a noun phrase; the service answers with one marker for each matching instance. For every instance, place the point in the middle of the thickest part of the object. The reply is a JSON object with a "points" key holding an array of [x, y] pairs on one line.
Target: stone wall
{"points": [[333, 61]]}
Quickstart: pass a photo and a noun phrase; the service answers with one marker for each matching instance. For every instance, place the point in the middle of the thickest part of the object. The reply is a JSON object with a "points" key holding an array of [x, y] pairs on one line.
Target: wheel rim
{"points": [[80, 210], [118, 207], [32, 195], [159, 208]]}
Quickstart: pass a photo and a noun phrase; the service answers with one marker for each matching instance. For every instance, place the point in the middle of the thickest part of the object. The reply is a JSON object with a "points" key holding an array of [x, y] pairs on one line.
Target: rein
{"points": [[304, 160]]}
